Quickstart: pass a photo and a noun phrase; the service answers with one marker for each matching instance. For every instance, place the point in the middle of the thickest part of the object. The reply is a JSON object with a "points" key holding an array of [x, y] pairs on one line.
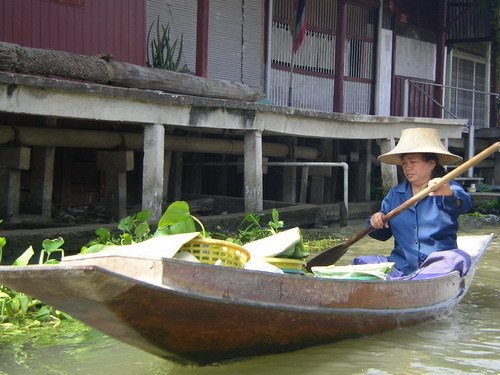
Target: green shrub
{"points": [[164, 54]]}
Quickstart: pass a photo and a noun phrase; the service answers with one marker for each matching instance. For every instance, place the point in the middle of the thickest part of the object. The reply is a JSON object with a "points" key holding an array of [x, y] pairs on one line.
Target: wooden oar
{"points": [[330, 256]]}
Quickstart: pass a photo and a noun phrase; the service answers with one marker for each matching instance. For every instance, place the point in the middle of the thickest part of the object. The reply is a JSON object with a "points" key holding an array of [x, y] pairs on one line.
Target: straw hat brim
{"points": [[420, 140]]}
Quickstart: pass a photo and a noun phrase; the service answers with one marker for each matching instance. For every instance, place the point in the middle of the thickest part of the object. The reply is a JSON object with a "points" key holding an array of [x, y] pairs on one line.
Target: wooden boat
{"points": [[201, 314]]}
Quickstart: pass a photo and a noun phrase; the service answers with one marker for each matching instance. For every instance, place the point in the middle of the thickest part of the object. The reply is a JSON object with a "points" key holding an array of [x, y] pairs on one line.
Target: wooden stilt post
{"points": [[41, 181], [12, 161], [115, 165], [389, 172]]}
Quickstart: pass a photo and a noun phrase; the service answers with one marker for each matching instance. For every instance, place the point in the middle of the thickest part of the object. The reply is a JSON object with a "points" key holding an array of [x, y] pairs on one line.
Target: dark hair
{"points": [[438, 170]]}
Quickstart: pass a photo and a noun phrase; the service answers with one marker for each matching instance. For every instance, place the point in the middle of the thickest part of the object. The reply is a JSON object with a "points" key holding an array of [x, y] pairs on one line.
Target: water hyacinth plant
{"points": [[18, 309]]}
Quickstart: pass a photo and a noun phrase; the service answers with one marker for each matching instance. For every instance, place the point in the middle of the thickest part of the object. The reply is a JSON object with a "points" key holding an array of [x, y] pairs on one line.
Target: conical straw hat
{"points": [[420, 140]]}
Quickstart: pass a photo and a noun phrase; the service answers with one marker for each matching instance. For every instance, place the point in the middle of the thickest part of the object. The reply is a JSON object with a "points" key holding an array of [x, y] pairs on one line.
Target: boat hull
{"points": [[201, 314]]}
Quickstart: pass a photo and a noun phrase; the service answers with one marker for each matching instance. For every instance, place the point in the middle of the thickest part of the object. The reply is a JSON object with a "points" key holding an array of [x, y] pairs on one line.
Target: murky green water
{"points": [[465, 342]]}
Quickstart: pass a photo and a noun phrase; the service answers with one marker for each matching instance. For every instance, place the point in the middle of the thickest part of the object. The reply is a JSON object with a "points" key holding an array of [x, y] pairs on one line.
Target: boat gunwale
{"points": [[95, 269], [454, 278]]}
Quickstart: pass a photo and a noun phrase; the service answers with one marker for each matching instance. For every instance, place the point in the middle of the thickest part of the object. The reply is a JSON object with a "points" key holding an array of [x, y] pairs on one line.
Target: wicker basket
{"points": [[209, 251]]}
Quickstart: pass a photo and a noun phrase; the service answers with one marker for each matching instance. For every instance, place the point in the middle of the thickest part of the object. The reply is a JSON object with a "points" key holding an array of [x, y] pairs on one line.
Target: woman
{"points": [[432, 223]]}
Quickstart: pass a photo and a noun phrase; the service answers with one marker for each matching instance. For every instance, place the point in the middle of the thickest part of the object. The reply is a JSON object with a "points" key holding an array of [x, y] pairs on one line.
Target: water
{"points": [[465, 342]]}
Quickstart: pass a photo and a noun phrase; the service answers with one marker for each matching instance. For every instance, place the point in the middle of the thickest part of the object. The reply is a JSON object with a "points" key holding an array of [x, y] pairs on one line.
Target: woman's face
{"points": [[416, 169]]}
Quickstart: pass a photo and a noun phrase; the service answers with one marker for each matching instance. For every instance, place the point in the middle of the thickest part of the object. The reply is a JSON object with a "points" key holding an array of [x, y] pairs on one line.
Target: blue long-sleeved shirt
{"points": [[430, 225]]}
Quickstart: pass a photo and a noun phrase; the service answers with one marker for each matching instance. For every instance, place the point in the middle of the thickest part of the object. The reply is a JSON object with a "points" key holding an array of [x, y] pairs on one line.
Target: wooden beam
{"points": [[41, 181], [338, 93], [440, 57], [12, 161], [88, 68], [115, 165], [202, 38]]}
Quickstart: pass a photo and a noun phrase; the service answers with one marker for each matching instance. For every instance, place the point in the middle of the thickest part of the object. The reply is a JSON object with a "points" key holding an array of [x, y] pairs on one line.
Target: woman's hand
{"points": [[377, 222], [443, 190]]}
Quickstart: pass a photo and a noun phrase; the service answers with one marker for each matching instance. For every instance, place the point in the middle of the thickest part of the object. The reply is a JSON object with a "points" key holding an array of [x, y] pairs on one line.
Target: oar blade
{"points": [[329, 256]]}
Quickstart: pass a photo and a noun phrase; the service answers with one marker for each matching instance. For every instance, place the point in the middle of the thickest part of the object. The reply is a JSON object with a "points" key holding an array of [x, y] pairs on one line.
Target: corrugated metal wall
{"points": [[181, 17], [235, 36], [419, 102], [474, 25], [314, 64], [359, 59], [415, 60], [236, 41], [80, 26]]}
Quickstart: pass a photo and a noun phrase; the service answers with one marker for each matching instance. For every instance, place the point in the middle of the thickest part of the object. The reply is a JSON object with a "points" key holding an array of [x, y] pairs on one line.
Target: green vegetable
{"points": [[25, 257], [50, 247], [284, 244], [176, 219], [3, 241]]}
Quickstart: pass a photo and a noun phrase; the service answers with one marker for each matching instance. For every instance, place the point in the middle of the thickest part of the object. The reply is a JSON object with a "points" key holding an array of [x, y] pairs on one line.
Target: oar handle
{"points": [[449, 176]]}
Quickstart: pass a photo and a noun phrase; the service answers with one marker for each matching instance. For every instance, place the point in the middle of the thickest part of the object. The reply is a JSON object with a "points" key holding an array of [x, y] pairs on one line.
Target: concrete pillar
{"points": [[290, 182], [337, 157], [152, 175], [319, 175], [340, 46], [290, 179], [166, 173], [253, 172], [304, 183], [194, 174], [12, 161], [39, 200], [389, 172], [115, 165], [364, 170], [220, 183], [179, 163], [382, 100], [317, 189], [327, 149], [67, 164]]}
